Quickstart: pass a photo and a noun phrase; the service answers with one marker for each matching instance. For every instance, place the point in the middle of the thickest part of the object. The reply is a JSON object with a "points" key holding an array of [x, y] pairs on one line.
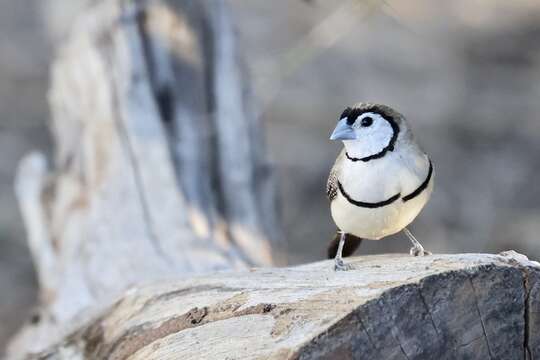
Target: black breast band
{"points": [[392, 199], [367, 204], [422, 186]]}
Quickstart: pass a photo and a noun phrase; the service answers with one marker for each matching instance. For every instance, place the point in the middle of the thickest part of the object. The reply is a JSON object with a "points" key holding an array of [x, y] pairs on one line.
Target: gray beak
{"points": [[343, 131]]}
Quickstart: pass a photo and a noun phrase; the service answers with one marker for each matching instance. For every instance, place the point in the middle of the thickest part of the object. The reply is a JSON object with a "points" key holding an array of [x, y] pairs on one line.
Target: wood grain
{"points": [[466, 306]]}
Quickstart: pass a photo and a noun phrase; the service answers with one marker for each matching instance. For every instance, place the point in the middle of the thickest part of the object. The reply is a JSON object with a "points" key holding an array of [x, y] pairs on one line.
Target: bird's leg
{"points": [[339, 264], [417, 249]]}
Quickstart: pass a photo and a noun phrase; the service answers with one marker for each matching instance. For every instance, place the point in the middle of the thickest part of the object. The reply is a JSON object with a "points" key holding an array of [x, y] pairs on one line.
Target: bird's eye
{"points": [[367, 121]]}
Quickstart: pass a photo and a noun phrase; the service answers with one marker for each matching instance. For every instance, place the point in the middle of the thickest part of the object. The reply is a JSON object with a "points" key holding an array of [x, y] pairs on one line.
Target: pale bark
{"points": [[389, 307], [160, 168]]}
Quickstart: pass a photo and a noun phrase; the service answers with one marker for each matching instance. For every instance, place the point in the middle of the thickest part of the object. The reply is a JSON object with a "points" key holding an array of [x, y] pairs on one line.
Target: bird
{"points": [[380, 181]]}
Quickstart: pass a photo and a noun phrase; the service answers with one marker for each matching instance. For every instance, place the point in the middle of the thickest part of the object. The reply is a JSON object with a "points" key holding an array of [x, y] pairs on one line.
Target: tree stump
{"points": [[160, 169]]}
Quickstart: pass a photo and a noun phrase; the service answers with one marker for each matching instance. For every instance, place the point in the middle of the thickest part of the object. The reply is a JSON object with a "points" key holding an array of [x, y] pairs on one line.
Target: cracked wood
{"points": [[466, 306]]}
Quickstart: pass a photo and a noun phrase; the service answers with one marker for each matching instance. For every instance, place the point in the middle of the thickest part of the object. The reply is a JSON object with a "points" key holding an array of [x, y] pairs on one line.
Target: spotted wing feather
{"points": [[332, 183]]}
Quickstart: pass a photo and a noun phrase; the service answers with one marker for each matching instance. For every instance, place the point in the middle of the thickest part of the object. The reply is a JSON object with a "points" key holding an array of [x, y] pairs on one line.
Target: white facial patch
{"points": [[371, 139]]}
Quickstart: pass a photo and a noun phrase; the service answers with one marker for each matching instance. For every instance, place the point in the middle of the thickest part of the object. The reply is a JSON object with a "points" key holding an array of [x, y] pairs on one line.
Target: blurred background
{"points": [[466, 74]]}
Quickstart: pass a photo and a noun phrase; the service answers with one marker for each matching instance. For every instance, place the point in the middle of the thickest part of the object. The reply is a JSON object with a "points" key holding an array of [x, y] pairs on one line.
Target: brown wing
{"points": [[332, 183]]}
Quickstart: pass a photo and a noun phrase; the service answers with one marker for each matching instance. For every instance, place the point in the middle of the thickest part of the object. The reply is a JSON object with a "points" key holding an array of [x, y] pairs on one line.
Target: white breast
{"points": [[376, 181]]}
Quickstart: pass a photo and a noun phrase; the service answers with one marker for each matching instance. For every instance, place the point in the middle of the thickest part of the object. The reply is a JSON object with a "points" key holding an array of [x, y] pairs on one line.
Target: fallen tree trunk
{"points": [[389, 307], [161, 179]]}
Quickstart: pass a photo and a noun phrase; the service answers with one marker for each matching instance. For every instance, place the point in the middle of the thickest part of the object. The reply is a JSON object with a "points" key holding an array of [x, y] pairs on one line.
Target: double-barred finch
{"points": [[380, 181]]}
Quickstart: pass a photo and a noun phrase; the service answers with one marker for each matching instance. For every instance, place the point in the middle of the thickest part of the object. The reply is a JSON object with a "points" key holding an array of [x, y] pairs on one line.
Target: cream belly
{"points": [[376, 223]]}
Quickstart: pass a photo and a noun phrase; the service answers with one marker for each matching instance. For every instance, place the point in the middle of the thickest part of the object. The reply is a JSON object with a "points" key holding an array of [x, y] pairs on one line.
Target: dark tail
{"points": [[351, 244]]}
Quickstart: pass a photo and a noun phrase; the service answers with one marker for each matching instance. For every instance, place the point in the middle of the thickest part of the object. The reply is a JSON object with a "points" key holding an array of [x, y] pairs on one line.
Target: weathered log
{"points": [[468, 306]]}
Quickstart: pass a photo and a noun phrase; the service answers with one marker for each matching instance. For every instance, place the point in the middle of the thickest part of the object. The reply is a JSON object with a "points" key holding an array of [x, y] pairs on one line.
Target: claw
{"points": [[341, 266], [419, 251]]}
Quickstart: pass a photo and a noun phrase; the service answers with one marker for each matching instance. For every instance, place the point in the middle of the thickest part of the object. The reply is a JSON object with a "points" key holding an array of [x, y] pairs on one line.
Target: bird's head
{"points": [[368, 130]]}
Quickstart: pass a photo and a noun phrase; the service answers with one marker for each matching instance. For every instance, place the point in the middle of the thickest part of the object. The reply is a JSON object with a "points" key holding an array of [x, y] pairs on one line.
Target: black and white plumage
{"points": [[380, 181]]}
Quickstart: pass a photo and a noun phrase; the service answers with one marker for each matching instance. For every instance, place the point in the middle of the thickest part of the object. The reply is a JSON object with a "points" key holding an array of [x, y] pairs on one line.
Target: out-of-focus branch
{"points": [[320, 38]]}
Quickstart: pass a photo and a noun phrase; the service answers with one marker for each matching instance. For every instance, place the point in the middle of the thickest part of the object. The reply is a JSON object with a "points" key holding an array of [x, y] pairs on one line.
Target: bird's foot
{"points": [[342, 266], [419, 251]]}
